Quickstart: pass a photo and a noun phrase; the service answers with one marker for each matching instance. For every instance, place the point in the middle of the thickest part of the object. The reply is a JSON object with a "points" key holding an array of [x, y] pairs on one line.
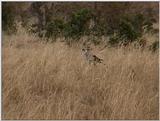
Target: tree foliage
{"points": [[131, 28], [155, 46], [113, 22], [8, 18], [54, 29], [77, 26]]}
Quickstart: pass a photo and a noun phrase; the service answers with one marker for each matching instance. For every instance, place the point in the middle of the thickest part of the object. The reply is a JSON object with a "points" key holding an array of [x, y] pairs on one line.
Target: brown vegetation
{"points": [[53, 81]]}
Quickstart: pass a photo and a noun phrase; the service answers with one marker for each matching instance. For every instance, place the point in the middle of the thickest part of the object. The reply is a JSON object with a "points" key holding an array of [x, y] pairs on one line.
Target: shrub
{"points": [[8, 19], [155, 46], [113, 40], [131, 28], [149, 24], [54, 29], [127, 31], [94, 39], [99, 29], [77, 26]]}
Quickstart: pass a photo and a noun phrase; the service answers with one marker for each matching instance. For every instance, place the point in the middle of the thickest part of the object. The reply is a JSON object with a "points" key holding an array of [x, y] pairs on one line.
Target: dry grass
{"points": [[52, 81]]}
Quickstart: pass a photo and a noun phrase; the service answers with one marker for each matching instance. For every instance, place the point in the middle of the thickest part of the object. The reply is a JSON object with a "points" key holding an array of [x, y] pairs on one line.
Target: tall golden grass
{"points": [[53, 81]]}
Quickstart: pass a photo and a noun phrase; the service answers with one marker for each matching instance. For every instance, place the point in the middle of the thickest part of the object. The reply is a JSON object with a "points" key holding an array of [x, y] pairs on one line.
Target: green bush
{"points": [[94, 39], [8, 19], [127, 32], [131, 28], [99, 29], [54, 29], [155, 46], [149, 24], [77, 27], [113, 40], [72, 30]]}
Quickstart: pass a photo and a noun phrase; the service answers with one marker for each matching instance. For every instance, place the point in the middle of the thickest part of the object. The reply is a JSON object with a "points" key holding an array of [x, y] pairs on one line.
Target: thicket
{"points": [[8, 19], [131, 28], [121, 29], [155, 46]]}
